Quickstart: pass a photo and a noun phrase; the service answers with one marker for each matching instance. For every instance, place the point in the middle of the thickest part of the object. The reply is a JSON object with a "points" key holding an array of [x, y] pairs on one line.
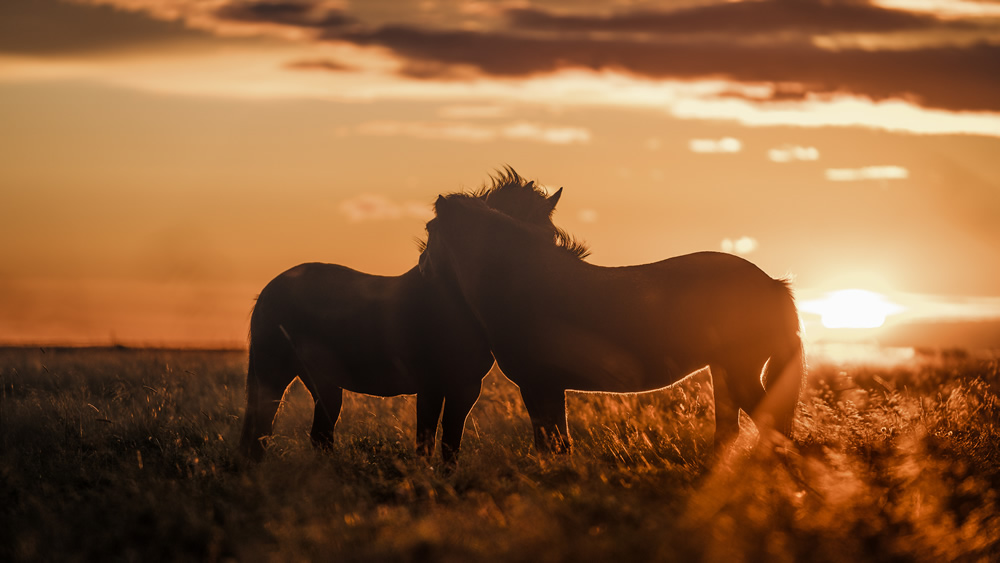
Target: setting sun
{"points": [[852, 308]]}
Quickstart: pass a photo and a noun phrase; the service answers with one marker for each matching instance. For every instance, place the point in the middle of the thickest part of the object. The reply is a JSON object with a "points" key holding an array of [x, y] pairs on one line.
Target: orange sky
{"points": [[161, 160]]}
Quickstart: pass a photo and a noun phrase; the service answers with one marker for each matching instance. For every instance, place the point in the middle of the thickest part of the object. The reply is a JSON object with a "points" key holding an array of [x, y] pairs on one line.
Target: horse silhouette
{"points": [[337, 328], [558, 323]]}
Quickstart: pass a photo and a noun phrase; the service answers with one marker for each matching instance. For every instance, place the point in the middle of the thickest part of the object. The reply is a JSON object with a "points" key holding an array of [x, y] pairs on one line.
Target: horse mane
{"points": [[522, 200], [573, 245]]}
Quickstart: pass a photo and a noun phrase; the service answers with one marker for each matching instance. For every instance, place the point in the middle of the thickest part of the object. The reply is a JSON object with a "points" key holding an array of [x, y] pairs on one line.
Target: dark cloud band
{"points": [[300, 14], [763, 41], [947, 77], [769, 16]]}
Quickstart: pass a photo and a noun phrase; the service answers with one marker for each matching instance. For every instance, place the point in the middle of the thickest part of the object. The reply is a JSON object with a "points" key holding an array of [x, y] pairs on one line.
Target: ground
{"points": [[130, 455]]}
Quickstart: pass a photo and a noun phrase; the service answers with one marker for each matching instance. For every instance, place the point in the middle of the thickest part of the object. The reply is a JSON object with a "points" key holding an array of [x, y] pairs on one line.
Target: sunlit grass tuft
{"points": [[130, 454]]}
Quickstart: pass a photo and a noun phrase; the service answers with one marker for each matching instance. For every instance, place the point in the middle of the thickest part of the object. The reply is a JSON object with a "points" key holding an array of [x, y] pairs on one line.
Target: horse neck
{"points": [[491, 275], [413, 275]]}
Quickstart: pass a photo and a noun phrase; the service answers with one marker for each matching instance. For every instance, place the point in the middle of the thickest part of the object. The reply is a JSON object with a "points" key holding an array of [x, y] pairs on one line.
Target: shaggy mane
{"points": [[512, 195]]}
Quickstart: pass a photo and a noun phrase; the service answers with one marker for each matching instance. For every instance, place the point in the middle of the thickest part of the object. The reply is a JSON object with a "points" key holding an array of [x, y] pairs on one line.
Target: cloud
{"points": [[553, 135], [771, 53], [763, 16], [473, 112], [321, 64], [291, 13], [867, 173], [791, 153], [742, 245], [475, 133], [804, 42], [443, 130], [377, 207], [713, 146], [840, 111], [50, 27], [944, 8], [770, 41], [261, 72], [947, 77]]}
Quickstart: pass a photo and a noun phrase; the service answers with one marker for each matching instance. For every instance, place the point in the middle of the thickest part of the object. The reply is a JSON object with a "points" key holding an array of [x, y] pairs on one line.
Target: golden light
{"points": [[852, 308]]}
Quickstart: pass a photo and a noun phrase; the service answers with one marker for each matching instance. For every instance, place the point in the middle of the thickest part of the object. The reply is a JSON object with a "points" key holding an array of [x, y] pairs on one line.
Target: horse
{"points": [[336, 328], [556, 322]]}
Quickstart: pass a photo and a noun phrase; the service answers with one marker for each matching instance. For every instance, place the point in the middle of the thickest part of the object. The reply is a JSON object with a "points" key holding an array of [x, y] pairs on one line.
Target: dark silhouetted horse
{"points": [[337, 328], [557, 323]]}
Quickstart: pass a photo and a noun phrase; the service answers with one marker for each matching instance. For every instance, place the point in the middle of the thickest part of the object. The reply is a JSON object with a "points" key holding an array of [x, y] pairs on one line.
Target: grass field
{"points": [[129, 455]]}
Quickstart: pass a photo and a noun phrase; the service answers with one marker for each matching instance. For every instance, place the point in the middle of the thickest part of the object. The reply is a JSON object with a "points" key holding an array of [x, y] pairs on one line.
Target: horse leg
{"points": [[265, 387], [750, 395], [547, 409], [429, 403], [457, 407], [783, 381], [325, 416], [727, 413]]}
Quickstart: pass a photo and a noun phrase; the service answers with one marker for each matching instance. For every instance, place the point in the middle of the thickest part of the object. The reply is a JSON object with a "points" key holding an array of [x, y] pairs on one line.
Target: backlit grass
{"points": [[130, 455]]}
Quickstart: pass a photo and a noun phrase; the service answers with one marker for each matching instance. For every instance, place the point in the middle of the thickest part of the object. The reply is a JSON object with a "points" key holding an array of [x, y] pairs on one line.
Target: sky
{"points": [[162, 160]]}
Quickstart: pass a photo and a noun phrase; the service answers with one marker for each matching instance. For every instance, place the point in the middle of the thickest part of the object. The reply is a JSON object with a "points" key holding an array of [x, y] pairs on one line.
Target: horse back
{"points": [[326, 318], [382, 335], [706, 299], [642, 327]]}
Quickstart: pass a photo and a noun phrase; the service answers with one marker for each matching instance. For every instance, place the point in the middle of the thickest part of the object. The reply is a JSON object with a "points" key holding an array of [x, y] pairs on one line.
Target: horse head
{"points": [[456, 217], [509, 197]]}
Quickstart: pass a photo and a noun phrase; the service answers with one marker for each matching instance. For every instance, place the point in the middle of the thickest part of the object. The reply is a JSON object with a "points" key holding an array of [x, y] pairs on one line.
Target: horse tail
{"points": [[250, 435], [269, 372], [786, 367]]}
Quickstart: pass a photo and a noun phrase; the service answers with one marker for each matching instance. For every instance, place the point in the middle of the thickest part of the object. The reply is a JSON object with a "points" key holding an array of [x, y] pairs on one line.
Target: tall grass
{"points": [[130, 455]]}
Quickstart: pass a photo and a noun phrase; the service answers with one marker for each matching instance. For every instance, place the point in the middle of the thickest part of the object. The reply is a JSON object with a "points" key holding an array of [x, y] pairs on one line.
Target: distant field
{"points": [[129, 455]]}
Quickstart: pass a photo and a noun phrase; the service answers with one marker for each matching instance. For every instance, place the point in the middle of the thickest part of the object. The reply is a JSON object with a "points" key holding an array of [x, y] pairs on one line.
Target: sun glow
{"points": [[852, 308]]}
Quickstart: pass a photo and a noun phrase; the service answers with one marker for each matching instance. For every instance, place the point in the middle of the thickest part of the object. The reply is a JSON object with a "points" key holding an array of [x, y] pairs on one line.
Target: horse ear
{"points": [[530, 185], [554, 199], [439, 203]]}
